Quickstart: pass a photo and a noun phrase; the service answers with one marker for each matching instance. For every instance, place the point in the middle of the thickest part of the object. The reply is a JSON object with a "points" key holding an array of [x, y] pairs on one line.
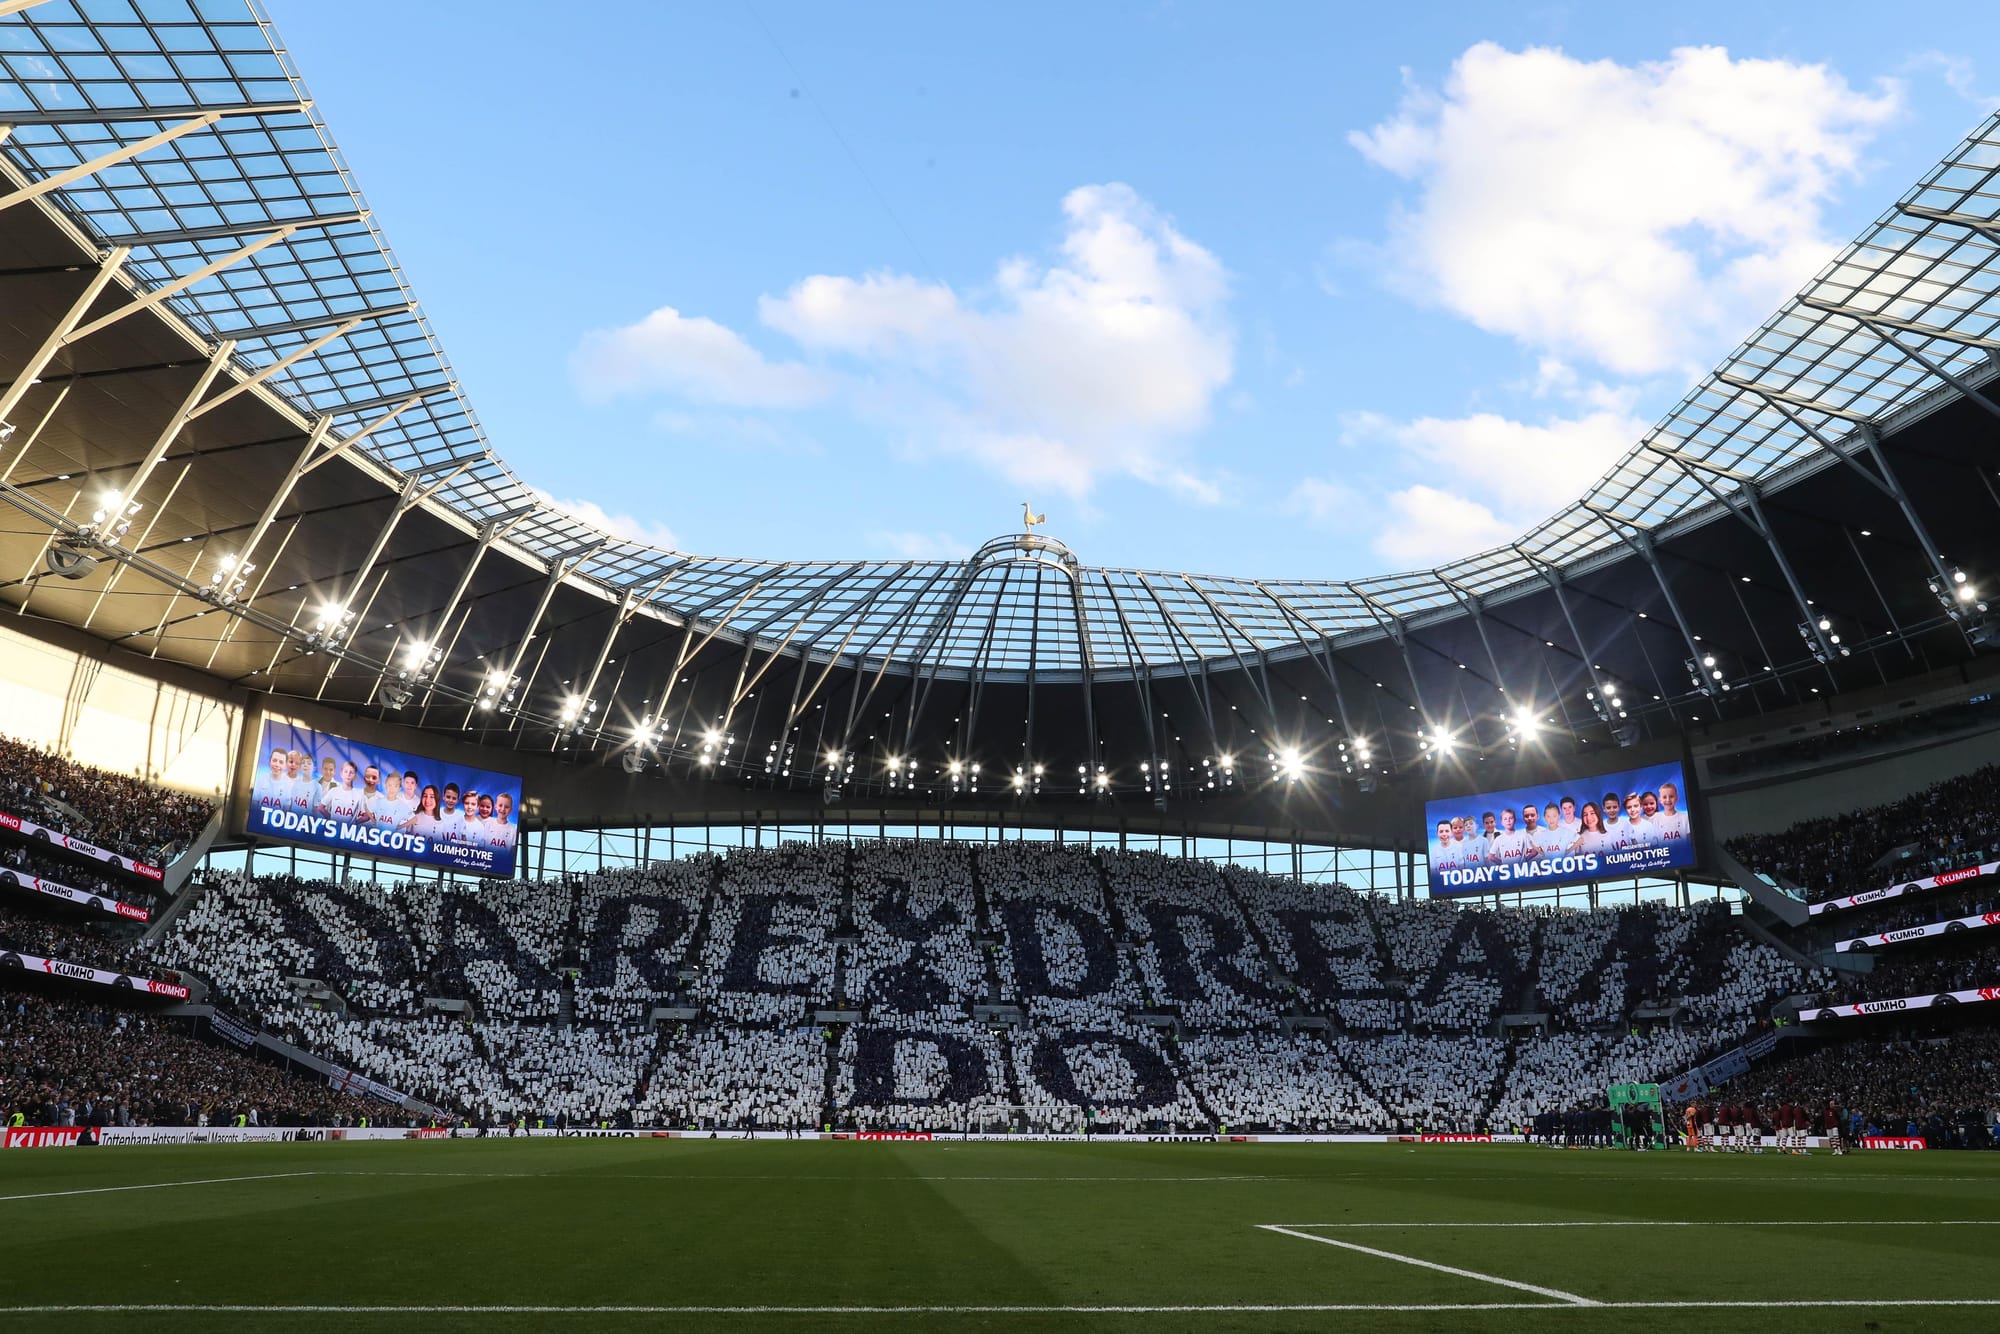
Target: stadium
{"points": [[436, 909]]}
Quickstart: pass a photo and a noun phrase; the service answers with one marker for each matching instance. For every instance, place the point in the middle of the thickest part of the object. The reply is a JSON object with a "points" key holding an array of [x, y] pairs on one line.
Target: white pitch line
{"points": [[1557, 1293], [156, 1185], [749, 1176], [1663, 1222], [1269, 1308]]}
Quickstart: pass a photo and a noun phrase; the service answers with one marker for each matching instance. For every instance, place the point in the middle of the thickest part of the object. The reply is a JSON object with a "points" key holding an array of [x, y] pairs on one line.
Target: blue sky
{"points": [[1307, 291]]}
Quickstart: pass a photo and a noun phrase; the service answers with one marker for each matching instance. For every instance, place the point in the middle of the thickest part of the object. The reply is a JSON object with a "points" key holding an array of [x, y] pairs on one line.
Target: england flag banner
{"points": [[329, 791]]}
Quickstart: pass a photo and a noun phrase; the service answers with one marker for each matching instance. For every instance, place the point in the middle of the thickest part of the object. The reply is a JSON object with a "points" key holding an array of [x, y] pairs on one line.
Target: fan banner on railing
{"points": [[41, 833], [1897, 891], [329, 791], [1633, 822]]}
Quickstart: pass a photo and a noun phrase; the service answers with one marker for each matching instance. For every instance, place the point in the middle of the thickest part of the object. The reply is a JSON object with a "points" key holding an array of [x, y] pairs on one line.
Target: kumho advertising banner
{"points": [[13, 878], [1631, 822], [322, 790], [1899, 1004], [1907, 887], [1976, 922], [83, 972]]}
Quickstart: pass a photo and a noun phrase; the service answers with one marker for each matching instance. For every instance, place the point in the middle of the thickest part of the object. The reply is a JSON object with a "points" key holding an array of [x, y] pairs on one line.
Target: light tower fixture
{"points": [[1823, 640], [496, 692], [1607, 701], [1707, 674], [332, 624], [228, 583], [1964, 601]]}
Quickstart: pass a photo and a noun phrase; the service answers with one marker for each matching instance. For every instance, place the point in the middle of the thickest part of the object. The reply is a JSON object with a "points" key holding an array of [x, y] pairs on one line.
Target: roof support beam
{"points": [[135, 115], [1786, 396], [50, 184], [181, 418], [278, 367], [1392, 625], [858, 701], [1917, 327], [407, 396], [1475, 607], [1882, 477], [52, 344], [256, 332], [489, 532], [16, 6], [1322, 656], [1553, 577], [180, 284], [1640, 543], [559, 570], [227, 230], [284, 490], [1986, 226], [347, 442], [1936, 368], [1750, 510]]}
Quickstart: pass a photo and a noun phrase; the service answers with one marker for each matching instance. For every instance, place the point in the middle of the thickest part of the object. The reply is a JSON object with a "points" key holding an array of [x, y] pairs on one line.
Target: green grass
{"points": [[585, 1225]]}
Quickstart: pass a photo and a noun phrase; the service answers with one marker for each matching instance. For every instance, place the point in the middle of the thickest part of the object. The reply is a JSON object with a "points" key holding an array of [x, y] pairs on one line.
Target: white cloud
{"points": [[1641, 216], [919, 546], [1105, 361], [1958, 74], [1425, 526], [693, 358], [1321, 500], [1488, 478], [618, 525]]}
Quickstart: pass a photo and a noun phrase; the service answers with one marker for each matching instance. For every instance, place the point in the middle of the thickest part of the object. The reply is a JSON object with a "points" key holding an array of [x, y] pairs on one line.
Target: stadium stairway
{"points": [[829, 1100], [184, 866], [1354, 1076], [988, 941], [1779, 903]]}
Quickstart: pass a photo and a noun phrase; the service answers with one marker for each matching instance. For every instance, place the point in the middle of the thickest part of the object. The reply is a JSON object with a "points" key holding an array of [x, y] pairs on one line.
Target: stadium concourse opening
{"points": [[427, 908]]}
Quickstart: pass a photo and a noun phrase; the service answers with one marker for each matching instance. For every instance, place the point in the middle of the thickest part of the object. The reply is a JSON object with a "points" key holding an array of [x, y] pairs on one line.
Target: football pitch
{"points": [[592, 1234]]}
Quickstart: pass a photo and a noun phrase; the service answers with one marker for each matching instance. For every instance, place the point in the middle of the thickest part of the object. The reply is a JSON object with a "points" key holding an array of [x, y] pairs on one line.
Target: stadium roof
{"points": [[177, 140]]}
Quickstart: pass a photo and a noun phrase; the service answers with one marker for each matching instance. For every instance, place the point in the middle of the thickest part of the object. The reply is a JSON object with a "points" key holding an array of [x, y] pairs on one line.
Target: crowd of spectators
{"points": [[1948, 825], [64, 935], [63, 1062], [1153, 993], [116, 811]]}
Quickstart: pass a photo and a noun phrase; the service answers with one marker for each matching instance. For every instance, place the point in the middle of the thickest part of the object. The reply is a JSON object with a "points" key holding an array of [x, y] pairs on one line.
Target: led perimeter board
{"points": [[1498, 842], [327, 791]]}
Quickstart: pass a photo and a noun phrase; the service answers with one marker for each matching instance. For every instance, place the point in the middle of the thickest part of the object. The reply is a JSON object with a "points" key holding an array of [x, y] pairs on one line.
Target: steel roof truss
{"points": [[30, 372]]}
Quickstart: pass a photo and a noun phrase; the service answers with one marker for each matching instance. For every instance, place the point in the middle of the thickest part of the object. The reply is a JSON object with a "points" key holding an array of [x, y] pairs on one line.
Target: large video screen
{"points": [[1561, 832], [327, 791]]}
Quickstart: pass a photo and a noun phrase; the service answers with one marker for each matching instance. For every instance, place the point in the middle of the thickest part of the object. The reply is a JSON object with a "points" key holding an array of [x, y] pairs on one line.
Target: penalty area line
{"points": [[1557, 1294], [155, 1185]]}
